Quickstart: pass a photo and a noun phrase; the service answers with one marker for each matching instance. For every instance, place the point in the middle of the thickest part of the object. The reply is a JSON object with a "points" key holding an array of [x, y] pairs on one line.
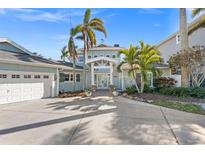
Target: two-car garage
{"points": [[21, 86]]}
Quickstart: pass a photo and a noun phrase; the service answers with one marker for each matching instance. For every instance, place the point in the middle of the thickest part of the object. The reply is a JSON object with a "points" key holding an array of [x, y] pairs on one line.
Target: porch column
{"points": [[111, 73], [92, 74]]}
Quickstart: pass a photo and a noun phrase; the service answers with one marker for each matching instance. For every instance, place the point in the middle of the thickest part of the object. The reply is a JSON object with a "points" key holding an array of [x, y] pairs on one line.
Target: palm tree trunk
{"points": [[142, 84], [74, 75], [135, 78], [184, 45], [85, 61]]}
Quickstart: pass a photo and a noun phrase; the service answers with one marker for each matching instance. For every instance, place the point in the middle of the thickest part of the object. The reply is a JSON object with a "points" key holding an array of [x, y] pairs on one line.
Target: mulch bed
{"points": [[72, 94], [159, 97]]}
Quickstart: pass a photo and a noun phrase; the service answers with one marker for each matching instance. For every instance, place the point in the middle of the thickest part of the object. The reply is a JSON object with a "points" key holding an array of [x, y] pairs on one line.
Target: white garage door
{"points": [[15, 87]]}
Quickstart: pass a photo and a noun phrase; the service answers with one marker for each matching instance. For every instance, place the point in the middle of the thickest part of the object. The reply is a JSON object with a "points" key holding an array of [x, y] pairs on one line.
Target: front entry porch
{"points": [[102, 72]]}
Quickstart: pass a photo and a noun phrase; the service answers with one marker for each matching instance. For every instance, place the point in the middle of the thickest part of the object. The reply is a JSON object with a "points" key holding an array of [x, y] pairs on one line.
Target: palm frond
{"points": [[91, 37], [100, 28], [197, 25], [87, 16], [197, 11]]}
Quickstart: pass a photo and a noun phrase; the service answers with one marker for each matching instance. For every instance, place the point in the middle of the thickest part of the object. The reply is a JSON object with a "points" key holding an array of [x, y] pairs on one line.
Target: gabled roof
{"points": [[7, 40], [177, 32], [28, 58]]}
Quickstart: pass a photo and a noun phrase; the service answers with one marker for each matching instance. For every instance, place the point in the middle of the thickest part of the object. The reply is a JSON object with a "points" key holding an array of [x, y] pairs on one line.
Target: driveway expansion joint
{"points": [[165, 118]]}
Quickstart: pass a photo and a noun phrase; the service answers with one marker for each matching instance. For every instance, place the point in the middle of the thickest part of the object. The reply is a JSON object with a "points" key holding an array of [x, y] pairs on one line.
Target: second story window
{"points": [[95, 56], [107, 55], [3, 76], [89, 57], [37, 76], [113, 56], [178, 39]]}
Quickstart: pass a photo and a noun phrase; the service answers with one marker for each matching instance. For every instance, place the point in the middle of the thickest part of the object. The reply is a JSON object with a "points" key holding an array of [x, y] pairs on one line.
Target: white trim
{"points": [[7, 40], [102, 58]]}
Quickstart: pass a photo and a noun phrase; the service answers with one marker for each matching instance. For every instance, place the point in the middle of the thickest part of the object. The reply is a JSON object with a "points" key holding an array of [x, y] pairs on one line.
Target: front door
{"points": [[102, 81]]}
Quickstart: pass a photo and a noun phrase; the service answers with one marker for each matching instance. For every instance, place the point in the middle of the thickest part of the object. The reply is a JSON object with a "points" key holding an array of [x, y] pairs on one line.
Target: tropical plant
{"points": [[130, 58], [140, 60], [88, 36], [201, 21], [194, 61], [70, 52], [147, 57]]}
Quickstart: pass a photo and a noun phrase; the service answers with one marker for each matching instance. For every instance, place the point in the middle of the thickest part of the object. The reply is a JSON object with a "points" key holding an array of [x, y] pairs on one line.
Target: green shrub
{"points": [[148, 89], [131, 89], [197, 92]]}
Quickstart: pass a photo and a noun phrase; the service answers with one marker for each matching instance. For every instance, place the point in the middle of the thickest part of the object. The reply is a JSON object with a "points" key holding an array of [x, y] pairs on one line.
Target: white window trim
{"points": [[178, 39]]}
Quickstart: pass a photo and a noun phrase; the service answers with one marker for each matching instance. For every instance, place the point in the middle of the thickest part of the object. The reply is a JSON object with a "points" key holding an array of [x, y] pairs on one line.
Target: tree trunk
{"points": [[85, 61], [142, 84], [184, 45], [135, 78], [74, 75]]}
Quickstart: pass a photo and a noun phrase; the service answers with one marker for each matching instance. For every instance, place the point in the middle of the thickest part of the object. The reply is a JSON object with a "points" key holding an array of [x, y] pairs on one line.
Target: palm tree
{"points": [[200, 23], [184, 45], [70, 52], [130, 58], [140, 59], [87, 29], [148, 55]]}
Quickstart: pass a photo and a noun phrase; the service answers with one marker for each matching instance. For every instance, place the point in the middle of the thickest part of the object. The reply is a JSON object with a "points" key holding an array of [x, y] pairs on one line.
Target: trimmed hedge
{"points": [[197, 92]]}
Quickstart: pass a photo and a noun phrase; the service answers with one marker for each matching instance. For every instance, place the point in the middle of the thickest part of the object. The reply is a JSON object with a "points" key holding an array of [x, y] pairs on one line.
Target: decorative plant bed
{"points": [[73, 94]]}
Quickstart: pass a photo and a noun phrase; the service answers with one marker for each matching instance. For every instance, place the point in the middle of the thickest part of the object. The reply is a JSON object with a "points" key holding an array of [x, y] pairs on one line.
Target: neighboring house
{"points": [[171, 44], [26, 76]]}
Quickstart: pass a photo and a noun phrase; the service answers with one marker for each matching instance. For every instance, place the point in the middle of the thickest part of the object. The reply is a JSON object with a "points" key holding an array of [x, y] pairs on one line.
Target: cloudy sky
{"points": [[46, 31]]}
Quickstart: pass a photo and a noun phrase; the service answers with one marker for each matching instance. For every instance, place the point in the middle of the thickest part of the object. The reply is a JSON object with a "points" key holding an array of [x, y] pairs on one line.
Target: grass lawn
{"points": [[187, 107]]}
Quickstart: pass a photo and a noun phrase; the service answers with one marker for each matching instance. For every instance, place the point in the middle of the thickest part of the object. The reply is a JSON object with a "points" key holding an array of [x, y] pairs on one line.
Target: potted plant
{"points": [[88, 93], [113, 89]]}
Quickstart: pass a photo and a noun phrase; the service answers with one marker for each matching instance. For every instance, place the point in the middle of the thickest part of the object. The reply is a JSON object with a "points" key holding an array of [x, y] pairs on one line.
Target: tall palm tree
{"points": [[70, 52], [140, 59], [201, 21], [184, 45], [87, 29]]}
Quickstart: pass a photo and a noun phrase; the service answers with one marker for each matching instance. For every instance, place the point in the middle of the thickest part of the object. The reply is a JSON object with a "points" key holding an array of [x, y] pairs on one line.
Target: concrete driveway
{"points": [[100, 119]]}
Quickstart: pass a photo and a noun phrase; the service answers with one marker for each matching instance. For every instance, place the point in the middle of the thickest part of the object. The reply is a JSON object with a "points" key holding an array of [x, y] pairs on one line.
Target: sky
{"points": [[46, 31]]}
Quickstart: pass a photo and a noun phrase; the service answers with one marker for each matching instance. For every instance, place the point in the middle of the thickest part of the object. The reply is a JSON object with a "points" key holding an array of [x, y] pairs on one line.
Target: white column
{"points": [[122, 79], [92, 74], [111, 73]]}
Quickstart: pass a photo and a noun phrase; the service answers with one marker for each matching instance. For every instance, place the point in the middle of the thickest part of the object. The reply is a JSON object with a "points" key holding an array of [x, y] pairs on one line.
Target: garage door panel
{"points": [[15, 90]]}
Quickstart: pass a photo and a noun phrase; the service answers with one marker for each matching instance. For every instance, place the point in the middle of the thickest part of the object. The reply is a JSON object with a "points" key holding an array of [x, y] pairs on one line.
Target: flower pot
{"points": [[115, 93]]}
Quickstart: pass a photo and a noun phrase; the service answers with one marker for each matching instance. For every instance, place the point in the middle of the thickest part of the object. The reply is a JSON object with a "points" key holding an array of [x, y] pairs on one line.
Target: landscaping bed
{"points": [[187, 107], [73, 94], [160, 97]]}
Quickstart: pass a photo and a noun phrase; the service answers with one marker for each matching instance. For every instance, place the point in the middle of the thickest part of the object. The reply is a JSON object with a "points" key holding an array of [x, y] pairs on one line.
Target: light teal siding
{"points": [[8, 47], [68, 86]]}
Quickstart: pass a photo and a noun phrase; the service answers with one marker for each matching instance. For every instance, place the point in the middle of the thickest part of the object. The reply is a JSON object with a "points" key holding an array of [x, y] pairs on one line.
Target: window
{"points": [[46, 77], [15, 76], [37, 76], [66, 77], [80, 59], [71, 77], [113, 56], [3, 76], [95, 56], [89, 57], [27, 76], [107, 55], [77, 77], [178, 39]]}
